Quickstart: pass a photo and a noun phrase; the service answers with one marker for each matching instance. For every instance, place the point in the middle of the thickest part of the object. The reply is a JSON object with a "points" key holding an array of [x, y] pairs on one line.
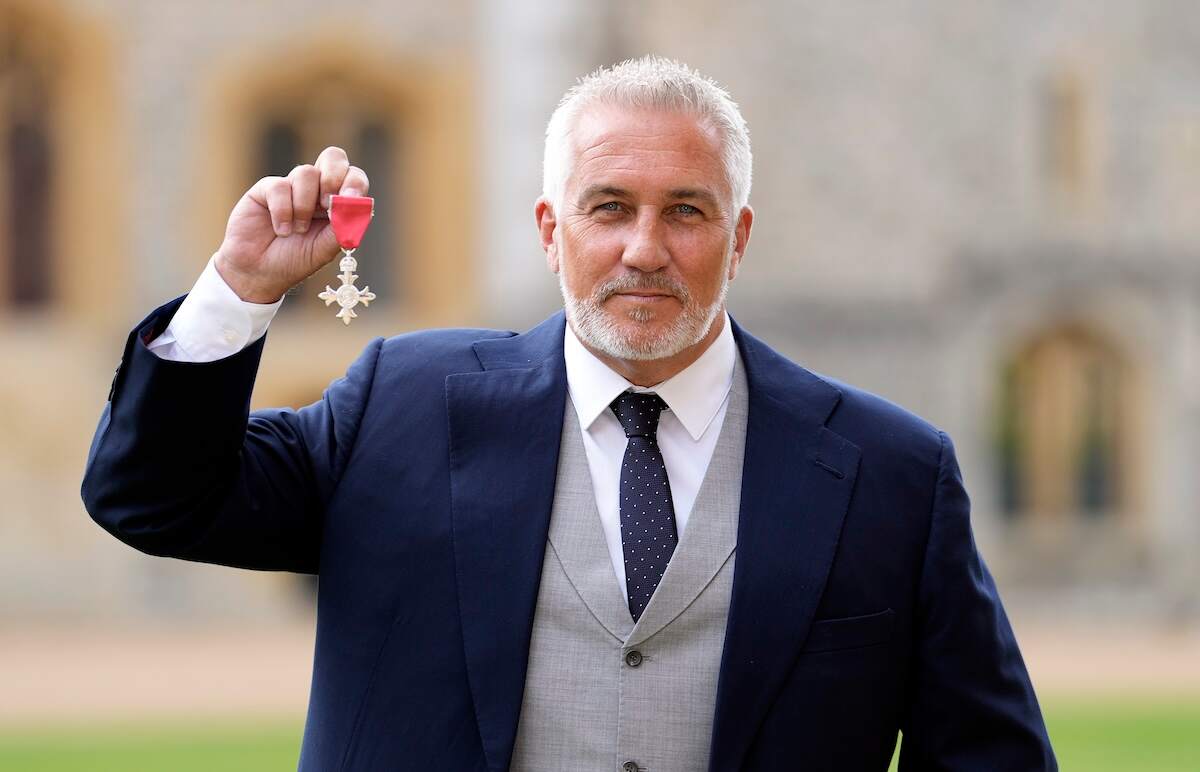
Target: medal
{"points": [[349, 217]]}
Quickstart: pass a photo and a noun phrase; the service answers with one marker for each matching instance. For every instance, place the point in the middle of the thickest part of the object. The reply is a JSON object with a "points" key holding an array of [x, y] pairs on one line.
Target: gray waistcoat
{"points": [[601, 691]]}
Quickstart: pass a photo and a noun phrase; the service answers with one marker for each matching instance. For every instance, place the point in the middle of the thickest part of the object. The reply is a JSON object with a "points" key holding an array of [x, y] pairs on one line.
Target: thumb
{"points": [[325, 245]]}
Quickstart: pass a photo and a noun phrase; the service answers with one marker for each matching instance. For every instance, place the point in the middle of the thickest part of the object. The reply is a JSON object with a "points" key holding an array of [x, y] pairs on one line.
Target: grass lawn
{"points": [[1134, 735], [228, 746], [1090, 736], [1124, 735]]}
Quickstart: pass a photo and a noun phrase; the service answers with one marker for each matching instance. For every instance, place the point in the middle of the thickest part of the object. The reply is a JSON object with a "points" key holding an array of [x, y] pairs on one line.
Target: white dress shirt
{"points": [[213, 323]]}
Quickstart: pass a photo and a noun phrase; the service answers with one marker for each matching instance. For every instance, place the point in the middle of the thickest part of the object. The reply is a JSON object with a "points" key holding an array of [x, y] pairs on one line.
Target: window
{"points": [[1067, 134], [327, 109], [1061, 437], [26, 163]]}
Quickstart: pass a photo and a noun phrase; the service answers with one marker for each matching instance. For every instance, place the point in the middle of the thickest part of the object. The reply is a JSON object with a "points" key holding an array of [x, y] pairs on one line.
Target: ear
{"points": [[741, 237], [543, 210]]}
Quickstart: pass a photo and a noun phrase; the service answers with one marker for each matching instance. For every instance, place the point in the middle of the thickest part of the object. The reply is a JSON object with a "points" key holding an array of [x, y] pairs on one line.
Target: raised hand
{"points": [[278, 233]]}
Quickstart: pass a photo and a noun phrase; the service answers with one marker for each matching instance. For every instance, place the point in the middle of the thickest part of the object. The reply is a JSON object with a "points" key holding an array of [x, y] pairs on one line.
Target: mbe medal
{"points": [[349, 217]]}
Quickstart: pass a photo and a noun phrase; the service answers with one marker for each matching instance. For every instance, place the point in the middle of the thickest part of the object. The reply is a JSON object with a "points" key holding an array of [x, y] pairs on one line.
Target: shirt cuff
{"points": [[212, 322]]}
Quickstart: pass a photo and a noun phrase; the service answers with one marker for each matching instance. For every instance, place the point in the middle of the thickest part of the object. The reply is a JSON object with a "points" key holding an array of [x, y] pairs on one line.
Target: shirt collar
{"points": [[694, 395]]}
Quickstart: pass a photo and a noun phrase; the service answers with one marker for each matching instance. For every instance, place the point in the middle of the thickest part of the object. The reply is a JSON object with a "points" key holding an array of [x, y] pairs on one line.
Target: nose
{"points": [[646, 250]]}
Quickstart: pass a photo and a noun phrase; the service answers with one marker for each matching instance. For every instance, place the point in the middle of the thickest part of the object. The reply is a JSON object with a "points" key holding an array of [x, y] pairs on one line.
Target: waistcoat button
{"points": [[630, 766], [633, 658]]}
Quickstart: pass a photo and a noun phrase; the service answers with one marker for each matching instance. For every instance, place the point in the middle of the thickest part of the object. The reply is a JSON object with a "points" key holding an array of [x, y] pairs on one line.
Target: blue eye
{"points": [[687, 209], [610, 206]]}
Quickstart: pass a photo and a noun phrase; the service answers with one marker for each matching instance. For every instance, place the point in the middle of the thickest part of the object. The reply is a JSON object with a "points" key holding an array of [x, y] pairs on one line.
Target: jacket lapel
{"points": [[505, 423], [797, 479]]}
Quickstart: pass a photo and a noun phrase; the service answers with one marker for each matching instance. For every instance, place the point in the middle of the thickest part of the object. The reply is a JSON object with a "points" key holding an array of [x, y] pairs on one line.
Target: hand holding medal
{"points": [[277, 235]]}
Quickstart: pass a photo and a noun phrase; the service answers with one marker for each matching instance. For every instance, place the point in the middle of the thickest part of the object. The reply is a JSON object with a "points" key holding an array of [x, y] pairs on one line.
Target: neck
{"points": [[651, 372]]}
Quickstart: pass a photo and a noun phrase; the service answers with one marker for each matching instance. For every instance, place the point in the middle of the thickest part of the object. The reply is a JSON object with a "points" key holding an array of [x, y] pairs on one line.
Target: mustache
{"points": [[632, 282]]}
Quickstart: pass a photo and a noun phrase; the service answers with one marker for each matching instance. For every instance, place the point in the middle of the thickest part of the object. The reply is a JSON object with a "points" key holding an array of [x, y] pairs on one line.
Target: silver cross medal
{"points": [[347, 295], [349, 217]]}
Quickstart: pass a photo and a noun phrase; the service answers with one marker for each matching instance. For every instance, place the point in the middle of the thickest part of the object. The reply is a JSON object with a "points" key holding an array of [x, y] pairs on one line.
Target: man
{"points": [[526, 543]]}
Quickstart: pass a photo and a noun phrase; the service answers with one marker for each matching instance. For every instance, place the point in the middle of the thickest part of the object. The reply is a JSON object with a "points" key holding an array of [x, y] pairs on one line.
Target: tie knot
{"points": [[638, 412]]}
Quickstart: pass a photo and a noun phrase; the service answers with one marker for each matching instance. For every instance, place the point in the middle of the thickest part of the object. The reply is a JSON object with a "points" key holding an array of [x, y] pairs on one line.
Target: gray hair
{"points": [[657, 83]]}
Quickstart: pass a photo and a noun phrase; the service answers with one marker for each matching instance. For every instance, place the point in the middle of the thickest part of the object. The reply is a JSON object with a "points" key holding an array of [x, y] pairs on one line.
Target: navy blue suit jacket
{"points": [[420, 487]]}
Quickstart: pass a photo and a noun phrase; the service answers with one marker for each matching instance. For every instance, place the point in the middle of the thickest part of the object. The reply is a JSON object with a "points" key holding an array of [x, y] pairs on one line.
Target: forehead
{"points": [[645, 148]]}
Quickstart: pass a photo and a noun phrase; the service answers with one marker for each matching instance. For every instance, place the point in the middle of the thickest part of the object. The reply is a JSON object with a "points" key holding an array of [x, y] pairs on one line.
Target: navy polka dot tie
{"points": [[648, 534]]}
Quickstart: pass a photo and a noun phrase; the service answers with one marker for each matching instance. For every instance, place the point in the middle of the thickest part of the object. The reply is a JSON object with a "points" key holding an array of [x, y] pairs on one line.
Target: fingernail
{"points": [[284, 228], [351, 192], [325, 199], [301, 227]]}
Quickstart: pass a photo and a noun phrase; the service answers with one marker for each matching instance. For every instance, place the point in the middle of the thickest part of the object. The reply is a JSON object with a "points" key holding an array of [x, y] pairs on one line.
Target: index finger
{"points": [[333, 164]]}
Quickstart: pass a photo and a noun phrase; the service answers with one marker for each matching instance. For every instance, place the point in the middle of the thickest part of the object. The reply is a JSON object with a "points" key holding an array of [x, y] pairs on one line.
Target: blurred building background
{"points": [[987, 212]]}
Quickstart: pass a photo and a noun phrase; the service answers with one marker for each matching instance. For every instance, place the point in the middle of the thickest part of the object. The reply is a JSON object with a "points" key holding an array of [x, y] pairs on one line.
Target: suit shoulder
{"points": [[876, 425], [447, 350], [875, 422]]}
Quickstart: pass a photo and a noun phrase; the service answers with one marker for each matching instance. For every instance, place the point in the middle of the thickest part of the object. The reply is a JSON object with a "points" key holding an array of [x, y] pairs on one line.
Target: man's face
{"points": [[645, 242]]}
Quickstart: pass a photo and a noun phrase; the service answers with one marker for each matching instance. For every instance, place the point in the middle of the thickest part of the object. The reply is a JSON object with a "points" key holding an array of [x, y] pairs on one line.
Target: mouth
{"points": [[646, 295]]}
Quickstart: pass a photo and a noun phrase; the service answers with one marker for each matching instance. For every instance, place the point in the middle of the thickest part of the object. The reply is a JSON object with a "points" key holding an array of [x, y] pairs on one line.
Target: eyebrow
{"points": [[696, 194], [602, 190]]}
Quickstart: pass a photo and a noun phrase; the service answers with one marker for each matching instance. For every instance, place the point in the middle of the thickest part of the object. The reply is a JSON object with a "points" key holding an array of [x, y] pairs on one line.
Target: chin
{"points": [[651, 340]]}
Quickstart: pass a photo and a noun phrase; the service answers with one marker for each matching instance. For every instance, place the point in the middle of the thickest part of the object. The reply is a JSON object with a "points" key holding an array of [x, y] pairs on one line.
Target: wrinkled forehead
{"points": [[644, 144]]}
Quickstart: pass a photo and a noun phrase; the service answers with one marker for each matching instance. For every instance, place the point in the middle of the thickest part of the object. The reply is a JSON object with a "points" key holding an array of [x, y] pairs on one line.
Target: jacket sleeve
{"points": [[972, 705], [179, 467]]}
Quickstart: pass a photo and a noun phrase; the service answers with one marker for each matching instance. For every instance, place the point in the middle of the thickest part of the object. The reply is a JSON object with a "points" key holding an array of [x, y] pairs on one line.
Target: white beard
{"points": [[601, 329]]}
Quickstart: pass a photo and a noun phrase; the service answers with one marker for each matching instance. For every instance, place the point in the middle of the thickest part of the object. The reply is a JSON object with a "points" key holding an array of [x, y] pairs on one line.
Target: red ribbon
{"points": [[350, 216]]}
